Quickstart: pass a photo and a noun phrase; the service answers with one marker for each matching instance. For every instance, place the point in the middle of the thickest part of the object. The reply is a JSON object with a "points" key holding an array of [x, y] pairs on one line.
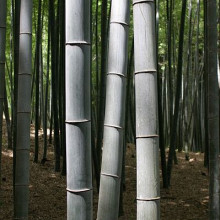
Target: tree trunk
{"points": [[148, 181], [78, 113], [23, 112], [114, 113], [213, 109]]}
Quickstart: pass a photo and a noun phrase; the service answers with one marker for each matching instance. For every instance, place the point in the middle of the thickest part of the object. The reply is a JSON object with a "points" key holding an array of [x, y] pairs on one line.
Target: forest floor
{"points": [[187, 198]]}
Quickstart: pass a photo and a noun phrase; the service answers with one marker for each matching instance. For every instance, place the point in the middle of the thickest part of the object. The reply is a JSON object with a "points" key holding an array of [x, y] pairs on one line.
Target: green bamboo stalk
{"points": [[114, 113], [7, 119], [3, 10], [38, 45], [78, 113], [148, 182], [23, 112], [44, 159]]}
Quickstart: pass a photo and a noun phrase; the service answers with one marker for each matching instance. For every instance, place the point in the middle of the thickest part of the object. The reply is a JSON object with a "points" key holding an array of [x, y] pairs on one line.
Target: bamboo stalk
{"points": [[102, 88], [54, 85], [38, 42], [2, 67], [172, 152], [114, 113], [23, 112], [148, 182], [213, 108], [78, 113]]}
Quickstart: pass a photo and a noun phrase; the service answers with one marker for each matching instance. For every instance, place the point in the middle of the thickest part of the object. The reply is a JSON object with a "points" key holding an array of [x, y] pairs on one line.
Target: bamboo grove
{"points": [[92, 76]]}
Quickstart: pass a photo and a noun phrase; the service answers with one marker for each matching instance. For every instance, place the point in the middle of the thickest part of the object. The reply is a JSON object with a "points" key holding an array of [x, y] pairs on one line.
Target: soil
{"points": [[187, 197]]}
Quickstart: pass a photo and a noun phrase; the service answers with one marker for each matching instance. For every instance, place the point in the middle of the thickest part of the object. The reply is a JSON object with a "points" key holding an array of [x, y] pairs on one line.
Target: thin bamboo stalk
{"points": [[172, 152], [54, 85], [7, 119], [2, 67], [102, 88], [46, 97], [38, 45], [148, 182], [160, 107]]}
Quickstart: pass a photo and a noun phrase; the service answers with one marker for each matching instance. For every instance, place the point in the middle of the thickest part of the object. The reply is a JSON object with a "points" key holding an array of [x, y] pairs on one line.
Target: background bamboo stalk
{"points": [[177, 95], [54, 85], [38, 45], [3, 10], [102, 88]]}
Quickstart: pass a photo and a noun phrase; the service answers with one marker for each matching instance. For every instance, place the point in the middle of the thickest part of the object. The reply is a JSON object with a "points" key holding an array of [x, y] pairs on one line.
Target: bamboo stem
{"points": [[147, 143]]}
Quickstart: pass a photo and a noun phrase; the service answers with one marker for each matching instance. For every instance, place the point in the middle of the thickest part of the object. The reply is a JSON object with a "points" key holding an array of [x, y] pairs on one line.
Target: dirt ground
{"points": [[187, 198]]}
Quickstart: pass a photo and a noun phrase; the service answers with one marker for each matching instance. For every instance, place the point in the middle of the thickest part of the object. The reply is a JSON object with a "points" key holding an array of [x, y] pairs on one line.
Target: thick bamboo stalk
{"points": [[78, 113], [3, 8], [148, 182], [213, 109], [114, 113], [23, 112]]}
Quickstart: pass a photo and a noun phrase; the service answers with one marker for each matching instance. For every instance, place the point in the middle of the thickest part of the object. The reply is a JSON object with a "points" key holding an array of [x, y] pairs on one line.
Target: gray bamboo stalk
{"points": [[16, 29], [16, 23], [112, 155], [23, 112], [3, 8], [78, 113], [213, 109], [148, 182]]}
